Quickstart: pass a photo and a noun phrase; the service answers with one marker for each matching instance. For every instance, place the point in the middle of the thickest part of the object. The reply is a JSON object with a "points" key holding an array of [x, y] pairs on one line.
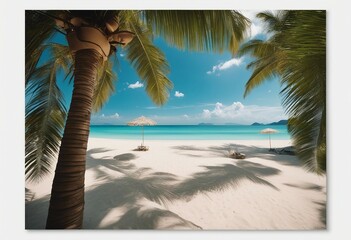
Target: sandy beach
{"points": [[183, 184]]}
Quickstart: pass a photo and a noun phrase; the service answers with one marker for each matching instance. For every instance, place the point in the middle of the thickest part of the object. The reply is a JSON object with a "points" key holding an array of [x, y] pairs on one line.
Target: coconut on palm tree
{"points": [[296, 53], [93, 37]]}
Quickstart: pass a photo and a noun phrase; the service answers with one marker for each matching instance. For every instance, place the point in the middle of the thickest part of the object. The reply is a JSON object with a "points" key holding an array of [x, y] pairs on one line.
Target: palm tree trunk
{"points": [[67, 194]]}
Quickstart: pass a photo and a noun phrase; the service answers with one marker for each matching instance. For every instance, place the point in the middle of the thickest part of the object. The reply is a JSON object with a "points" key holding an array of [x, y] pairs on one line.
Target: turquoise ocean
{"points": [[188, 132]]}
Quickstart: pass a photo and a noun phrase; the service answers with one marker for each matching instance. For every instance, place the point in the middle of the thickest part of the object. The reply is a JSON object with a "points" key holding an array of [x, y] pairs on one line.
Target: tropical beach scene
{"points": [[175, 119]]}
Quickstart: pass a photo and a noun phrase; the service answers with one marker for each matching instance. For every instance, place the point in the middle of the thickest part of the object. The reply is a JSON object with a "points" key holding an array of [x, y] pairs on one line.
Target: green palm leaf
{"points": [[305, 93], [38, 29], [258, 48], [297, 53], [267, 64], [149, 62], [212, 30], [45, 114], [264, 71], [274, 21], [105, 86]]}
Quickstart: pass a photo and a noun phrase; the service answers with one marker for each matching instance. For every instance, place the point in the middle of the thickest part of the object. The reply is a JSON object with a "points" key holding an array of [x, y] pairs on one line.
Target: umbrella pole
{"points": [[143, 135], [270, 147]]}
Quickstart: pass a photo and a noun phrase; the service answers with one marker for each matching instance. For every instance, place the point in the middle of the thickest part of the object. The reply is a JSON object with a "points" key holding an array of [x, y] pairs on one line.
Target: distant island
{"points": [[201, 124], [281, 122]]}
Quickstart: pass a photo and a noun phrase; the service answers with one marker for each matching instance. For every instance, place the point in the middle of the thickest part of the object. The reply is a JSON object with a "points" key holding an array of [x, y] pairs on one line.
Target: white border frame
{"points": [[12, 118]]}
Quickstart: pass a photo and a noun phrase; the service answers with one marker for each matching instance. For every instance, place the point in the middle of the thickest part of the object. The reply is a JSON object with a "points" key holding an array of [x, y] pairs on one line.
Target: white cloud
{"points": [[238, 113], [105, 119], [113, 116], [121, 54], [256, 29], [234, 62], [228, 64], [206, 113], [221, 111], [178, 94], [257, 26], [135, 85]]}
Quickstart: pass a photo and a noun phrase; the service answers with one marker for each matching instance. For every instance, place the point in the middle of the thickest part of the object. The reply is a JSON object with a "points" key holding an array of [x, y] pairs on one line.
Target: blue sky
{"points": [[208, 87]]}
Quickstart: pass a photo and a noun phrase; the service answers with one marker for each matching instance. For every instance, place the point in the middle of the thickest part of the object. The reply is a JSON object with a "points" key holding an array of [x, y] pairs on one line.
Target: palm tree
{"points": [[93, 38], [296, 52]]}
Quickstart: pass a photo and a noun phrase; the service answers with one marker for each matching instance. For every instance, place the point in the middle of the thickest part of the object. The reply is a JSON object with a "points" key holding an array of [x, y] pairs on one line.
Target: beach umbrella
{"points": [[142, 121], [269, 131]]}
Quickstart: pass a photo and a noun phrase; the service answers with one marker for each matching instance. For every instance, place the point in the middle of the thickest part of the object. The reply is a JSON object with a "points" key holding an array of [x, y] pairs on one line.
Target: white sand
{"points": [[192, 185]]}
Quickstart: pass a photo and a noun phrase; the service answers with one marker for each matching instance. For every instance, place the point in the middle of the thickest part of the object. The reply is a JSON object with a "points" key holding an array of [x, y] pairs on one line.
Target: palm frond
{"points": [[297, 53], [266, 64], [264, 71], [258, 48], [45, 114], [209, 30], [305, 91], [105, 85], [62, 56], [309, 139], [274, 21], [304, 99], [39, 28], [149, 62]]}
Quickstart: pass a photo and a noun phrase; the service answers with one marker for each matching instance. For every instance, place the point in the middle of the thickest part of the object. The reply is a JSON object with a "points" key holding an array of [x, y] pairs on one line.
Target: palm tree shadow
{"points": [[306, 186], [127, 191], [139, 217], [36, 212], [125, 157], [218, 178], [119, 163], [138, 184], [29, 195], [160, 187], [322, 212], [184, 150], [118, 192]]}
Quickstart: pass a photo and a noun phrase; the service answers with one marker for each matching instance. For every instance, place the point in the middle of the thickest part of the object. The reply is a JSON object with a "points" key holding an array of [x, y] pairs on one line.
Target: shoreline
{"points": [[192, 184], [278, 142]]}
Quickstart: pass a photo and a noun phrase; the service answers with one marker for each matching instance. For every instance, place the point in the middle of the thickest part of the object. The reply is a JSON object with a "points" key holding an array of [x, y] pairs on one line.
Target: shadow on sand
{"points": [[139, 217], [222, 177], [305, 186], [36, 212], [249, 151], [322, 208], [125, 192], [160, 188]]}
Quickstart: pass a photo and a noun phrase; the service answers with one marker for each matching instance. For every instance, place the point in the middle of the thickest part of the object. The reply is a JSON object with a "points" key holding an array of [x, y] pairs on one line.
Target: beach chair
{"points": [[236, 155], [143, 148], [287, 150]]}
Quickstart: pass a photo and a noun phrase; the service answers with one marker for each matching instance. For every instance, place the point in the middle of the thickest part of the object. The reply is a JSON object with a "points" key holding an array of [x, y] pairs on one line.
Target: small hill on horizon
{"points": [[281, 122], [201, 124]]}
